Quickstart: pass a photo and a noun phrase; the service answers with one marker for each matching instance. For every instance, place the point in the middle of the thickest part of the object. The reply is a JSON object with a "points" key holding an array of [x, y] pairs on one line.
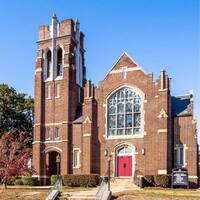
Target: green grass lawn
{"points": [[30, 193], [158, 194]]}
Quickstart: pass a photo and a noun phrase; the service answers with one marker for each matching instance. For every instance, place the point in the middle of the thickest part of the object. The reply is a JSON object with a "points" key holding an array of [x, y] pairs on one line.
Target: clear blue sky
{"points": [[157, 34]]}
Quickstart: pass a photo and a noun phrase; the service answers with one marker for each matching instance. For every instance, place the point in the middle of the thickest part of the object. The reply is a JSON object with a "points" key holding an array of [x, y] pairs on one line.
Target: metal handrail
{"points": [[101, 189], [57, 187]]}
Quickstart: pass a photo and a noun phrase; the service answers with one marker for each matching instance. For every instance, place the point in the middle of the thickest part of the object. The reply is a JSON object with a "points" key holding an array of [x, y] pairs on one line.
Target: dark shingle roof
{"points": [[182, 105]]}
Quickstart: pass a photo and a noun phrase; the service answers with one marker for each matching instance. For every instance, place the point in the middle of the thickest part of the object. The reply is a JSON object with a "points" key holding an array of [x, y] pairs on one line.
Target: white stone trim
{"points": [[193, 177], [39, 176], [162, 90], [87, 120], [162, 130], [53, 141], [128, 69], [48, 79], [124, 72], [194, 121], [49, 141], [38, 70], [48, 149], [162, 114], [58, 78], [162, 171], [51, 124], [125, 137], [87, 135], [66, 65]]}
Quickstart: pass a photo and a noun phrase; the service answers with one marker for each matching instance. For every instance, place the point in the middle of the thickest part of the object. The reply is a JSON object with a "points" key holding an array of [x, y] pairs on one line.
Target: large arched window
{"points": [[59, 70], [124, 113], [48, 64]]}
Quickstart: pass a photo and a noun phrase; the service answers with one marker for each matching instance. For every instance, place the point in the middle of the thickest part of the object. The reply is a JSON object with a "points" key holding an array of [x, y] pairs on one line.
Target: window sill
{"points": [[77, 167], [48, 98], [125, 137], [48, 139], [58, 78], [57, 138], [48, 79], [57, 97]]}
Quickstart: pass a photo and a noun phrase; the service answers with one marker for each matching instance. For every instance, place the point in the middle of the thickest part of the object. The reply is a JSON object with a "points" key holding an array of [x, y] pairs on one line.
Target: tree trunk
{"points": [[5, 182]]}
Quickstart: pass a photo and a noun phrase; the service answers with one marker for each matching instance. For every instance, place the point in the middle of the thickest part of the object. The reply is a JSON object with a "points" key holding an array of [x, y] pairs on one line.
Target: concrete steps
{"points": [[82, 195], [117, 185]]}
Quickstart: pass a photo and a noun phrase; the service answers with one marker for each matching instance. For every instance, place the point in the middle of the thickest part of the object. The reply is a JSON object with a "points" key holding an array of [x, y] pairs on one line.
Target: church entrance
{"points": [[53, 166], [124, 161]]}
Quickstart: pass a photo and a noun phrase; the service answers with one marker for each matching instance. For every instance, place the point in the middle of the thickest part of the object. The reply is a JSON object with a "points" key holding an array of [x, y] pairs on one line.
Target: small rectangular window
{"points": [[57, 90], [49, 92], [180, 156], [57, 133], [76, 158], [47, 133]]}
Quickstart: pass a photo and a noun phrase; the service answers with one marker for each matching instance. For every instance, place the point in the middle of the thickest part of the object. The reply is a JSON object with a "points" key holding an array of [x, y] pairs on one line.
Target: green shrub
{"points": [[29, 180], [53, 179], [162, 180], [80, 180], [11, 180], [18, 182], [148, 180]]}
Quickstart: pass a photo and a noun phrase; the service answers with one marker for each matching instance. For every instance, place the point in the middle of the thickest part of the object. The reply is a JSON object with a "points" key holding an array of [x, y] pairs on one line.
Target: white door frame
{"points": [[115, 158]]}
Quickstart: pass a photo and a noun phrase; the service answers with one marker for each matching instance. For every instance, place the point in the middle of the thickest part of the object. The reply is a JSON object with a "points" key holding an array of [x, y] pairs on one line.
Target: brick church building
{"points": [[128, 118]]}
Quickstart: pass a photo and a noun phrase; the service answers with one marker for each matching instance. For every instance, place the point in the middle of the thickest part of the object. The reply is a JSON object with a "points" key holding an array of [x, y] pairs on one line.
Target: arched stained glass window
{"points": [[124, 151], [124, 113]]}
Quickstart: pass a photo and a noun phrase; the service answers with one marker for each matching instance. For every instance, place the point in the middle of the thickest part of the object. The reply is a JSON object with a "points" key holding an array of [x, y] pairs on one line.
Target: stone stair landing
{"points": [[79, 195], [122, 184]]}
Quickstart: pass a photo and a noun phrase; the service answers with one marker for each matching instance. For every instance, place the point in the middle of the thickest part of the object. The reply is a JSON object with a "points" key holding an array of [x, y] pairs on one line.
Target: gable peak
{"points": [[125, 60]]}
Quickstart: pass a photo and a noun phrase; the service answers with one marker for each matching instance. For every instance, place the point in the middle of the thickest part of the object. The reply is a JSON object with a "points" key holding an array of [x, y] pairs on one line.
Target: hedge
{"points": [[29, 180], [162, 180], [85, 180], [18, 182], [11, 180]]}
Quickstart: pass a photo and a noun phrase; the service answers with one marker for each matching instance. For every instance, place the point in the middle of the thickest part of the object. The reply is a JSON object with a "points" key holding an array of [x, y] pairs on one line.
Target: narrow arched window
{"points": [[124, 113], [59, 62], [48, 63], [57, 133]]}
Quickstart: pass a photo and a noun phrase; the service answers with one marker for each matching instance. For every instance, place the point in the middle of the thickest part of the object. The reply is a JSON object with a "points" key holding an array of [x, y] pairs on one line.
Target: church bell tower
{"points": [[59, 81]]}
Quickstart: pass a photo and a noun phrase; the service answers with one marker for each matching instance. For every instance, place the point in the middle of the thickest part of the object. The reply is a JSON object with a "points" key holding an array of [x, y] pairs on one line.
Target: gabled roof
{"points": [[182, 105], [125, 61]]}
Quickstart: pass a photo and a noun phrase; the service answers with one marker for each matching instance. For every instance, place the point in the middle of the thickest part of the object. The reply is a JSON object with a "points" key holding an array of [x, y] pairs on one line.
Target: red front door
{"points": [[124, 165]]}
